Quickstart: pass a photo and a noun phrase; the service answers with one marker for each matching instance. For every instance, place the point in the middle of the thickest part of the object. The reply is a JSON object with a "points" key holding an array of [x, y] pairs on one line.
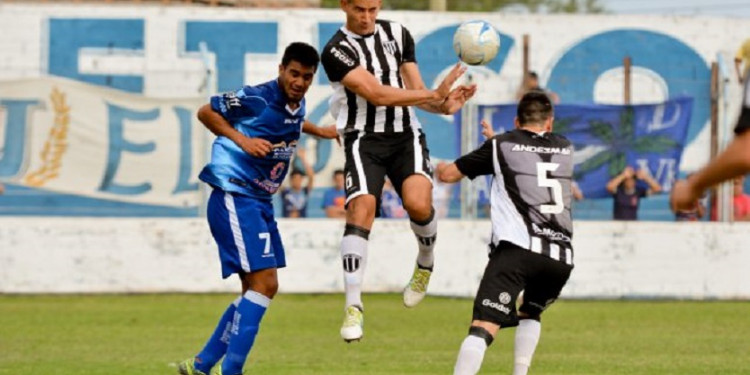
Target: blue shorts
{"points": [[246, 232]]}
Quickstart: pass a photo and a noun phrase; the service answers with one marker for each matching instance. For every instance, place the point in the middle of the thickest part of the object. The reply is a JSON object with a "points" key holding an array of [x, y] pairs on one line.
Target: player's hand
{"points": [[457, 98], [683, 198], [487, 131], [641, 174], [445, 86], [255, 146], [330, 132]]}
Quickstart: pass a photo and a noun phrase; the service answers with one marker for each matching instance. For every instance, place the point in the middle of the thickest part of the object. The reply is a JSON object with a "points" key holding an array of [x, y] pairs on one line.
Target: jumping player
{"points": [[372, 67]]}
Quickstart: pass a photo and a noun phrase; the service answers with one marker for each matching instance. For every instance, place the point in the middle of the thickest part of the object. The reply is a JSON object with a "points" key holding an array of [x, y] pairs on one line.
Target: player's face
{"points": [[295, 79], [361, 15]]}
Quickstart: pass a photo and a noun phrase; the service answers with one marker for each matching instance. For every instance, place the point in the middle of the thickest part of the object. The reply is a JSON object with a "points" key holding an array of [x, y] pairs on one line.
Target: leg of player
{"points": [[258, 290], [471, 354], [360, 214], [416, 193], [527, 337], [215, 348]]}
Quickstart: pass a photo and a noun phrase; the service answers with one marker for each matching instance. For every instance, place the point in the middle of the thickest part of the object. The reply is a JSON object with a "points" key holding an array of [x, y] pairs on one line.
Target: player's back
{"points": [[256, 112], [531, 192]]}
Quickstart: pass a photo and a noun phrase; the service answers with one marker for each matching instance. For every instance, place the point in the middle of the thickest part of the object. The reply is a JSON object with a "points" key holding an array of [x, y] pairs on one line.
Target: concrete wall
{"points": [[613, 259]]}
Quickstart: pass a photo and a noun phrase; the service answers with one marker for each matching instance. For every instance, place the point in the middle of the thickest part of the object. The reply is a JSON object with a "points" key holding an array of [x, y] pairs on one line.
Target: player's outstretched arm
{"points": [[218, 125], [364, 84], [325, 132], [448, 106], [617, 180], [448, 173], [309, 172], [733, 162]]}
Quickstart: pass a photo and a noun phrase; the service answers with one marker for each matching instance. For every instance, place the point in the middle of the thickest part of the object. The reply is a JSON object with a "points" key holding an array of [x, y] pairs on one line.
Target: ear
{"points": [[549, 123], [281, 69], [516, 124]]}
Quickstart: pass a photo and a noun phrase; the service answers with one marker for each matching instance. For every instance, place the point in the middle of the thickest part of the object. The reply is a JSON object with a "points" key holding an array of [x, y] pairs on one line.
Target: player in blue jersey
{"points": [[257, 130]]}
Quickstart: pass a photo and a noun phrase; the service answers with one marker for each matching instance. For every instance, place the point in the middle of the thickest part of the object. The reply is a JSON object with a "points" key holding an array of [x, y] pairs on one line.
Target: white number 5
{"points": [[543, 181]]}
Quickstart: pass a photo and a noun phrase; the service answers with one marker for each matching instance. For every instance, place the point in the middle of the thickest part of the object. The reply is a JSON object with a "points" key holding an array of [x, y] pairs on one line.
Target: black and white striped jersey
{"points": [[743, 123], [531, 190], [382, 54]]}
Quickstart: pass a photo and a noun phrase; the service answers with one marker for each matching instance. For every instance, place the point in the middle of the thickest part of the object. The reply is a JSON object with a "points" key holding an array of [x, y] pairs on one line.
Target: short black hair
{"points": [[534, 108], [297, 171], [338, 171], [302, 53], [532, 74]]}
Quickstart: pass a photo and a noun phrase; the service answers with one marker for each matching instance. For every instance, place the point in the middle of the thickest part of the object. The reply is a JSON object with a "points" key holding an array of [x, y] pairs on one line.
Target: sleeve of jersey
{"points": [[236, 105], [743, 123], [478, 162], [409, 52], [338, 61]]}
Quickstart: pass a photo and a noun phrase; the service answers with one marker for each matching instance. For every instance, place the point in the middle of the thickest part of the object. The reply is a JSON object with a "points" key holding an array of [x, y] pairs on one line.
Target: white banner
{"points": [[76, 138]]}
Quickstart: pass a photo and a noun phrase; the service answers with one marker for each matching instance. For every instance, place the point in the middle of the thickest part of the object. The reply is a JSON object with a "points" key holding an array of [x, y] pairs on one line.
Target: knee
{"points": [[418, 209], [269, 287], [361, 210]]}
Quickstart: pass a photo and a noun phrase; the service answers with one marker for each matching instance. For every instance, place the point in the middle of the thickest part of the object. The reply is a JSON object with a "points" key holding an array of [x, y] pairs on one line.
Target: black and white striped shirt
{"points": [[382, 54], [531, 190]]}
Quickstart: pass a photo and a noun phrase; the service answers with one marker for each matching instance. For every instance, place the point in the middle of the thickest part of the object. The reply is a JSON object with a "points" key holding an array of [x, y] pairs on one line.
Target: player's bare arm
{"points": [[447, 106], [221, 127], [302, 153], [653, 185], [448, 173], [364, 84], [325, 132], [733, 162]]}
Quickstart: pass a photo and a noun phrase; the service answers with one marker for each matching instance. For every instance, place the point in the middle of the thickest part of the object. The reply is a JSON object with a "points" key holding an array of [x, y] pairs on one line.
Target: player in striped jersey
{"points": [[372, 67], [732, 162], [530, 247]]}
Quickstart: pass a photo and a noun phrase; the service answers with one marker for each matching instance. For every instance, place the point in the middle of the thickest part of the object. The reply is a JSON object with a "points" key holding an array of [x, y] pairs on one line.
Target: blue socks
{"points": [[217, 344], [244, 328]]}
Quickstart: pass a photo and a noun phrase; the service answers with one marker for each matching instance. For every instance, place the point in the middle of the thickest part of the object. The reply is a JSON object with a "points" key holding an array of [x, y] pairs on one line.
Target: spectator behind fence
{"points": [[391, 206], [627, 194], [741, 201], [742, 58], [531, 83], [334, 199], [294, 198]]}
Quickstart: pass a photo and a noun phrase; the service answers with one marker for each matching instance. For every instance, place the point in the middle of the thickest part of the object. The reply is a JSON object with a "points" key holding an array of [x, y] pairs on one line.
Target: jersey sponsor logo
{"points": [[541, 150], [504, 298], [390, 47], [283, 150], [277, 170], [231, 100], [291, 121], [497, 306], [267, 185], [549, 233], [342, 57]]}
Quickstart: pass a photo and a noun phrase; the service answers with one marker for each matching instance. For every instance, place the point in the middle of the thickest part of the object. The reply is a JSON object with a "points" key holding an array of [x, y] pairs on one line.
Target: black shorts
{"points": [[510, 270], [372, 156]]}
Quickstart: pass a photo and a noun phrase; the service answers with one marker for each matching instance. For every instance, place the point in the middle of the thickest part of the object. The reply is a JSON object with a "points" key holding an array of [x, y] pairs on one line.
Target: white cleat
{"points": [[417, 288], [354, 320]]}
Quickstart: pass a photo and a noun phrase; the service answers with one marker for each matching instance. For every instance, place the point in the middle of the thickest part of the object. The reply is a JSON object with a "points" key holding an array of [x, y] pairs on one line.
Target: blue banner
{"points": [[607, 138]]}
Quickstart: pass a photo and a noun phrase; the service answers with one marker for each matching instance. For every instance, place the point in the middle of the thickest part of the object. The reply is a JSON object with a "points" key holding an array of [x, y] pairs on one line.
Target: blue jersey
{"points": [[257, 112]]}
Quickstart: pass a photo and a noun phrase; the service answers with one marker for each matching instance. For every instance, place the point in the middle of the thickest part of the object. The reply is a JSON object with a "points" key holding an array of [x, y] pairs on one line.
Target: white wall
{"points": [[613, 259]]}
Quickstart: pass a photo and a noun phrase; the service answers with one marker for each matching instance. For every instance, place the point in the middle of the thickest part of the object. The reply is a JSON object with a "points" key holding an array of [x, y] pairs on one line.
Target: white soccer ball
{"points": [[476, 42]]}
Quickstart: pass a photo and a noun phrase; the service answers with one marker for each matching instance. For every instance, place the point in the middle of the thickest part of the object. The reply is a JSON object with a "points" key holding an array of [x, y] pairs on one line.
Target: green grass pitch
{"points": [[144, 334]]}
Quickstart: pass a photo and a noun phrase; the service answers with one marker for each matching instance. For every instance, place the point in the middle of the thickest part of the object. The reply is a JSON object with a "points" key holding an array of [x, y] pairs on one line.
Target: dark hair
{"points": [[297, 171], [338, 171], [534, 108], [302, 53], [532, 74]]}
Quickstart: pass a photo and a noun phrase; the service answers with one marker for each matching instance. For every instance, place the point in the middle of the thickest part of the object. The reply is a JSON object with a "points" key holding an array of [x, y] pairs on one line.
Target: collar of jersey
{"points": [[355, 35]]}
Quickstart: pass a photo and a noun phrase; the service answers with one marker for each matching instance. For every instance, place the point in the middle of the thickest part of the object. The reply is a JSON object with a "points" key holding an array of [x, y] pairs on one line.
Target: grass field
{"points": [[144, 334]]}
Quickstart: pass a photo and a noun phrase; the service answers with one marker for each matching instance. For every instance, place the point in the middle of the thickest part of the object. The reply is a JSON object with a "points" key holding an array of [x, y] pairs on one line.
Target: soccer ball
{"points": [[476, 42]]}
